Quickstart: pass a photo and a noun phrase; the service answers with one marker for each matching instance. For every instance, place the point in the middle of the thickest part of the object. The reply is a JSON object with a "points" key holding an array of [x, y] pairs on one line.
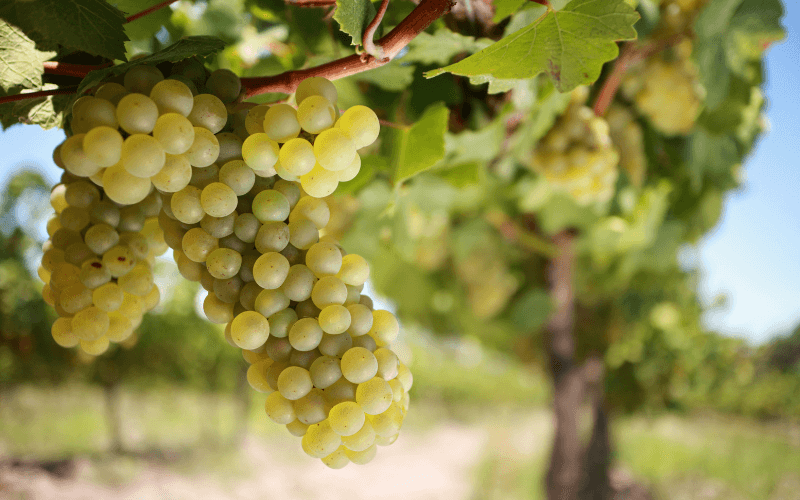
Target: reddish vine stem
{"points": [[367, 40], [631, 54], [420, 18], [389, 124], [34, 95], [67, 69], [149, 10], [311, 3]]}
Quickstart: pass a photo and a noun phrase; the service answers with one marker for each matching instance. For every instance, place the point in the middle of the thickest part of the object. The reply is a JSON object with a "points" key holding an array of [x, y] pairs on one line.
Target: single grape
{"points": [[334, 319], [224, 84], [270, 270], [272, 237], [351, 171], [174, 175], [260, 152], [320, 440], [387, 363], [312, 209], [103, 146], [198, 244], [279, 409], [217, 311], [324, 259], [354, 270], [385, 327], [208, 112], [305, 334], [172, 96], [316, 85], [249, 330], [315, 114], [108, 297], [280, 123], [336, 460], [373, 395], [142, 78], [63, 334], [204, 150], [75, 158], [137, 114], [119, 260], [281, 322], [218, 200], [230, 147], [319, 182], [297, 156], [311, 408], [219, 227], [270, 205], [174, 132], [294, 382], [361, 440], [238, 176], [359, 365], [361, 125], [360, 320], [224, 263], [142, 155], [346, 418], [269, 302], [90, 324], [254, 121], [186, 205], [334, 150]]}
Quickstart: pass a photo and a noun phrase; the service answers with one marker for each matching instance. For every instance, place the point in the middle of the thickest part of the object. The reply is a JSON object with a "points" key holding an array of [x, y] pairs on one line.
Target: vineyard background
{"points": [[172, 416]]}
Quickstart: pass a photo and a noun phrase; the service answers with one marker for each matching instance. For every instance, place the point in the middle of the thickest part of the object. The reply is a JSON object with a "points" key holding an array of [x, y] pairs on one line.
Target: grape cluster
{"points": [[97, 264], [666, 89], [577, 155], [628, 137], [678, 15]]}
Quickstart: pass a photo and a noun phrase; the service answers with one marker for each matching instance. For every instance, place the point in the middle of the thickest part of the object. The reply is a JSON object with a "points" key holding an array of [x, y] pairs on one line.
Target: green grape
{"points": [[291, 190], [64, 275], [294, 382], [360, 324], [404, 376], [174, 133], [95, 347], [203, 176], [334, 319], [94, 274], [325, 371], [257, 376], [238, 176], [361, 440], [224, 84], [346, 418], [249, 330], [312, 209], [75, 298], [90, 112], [63, 238], [336, 460], [354, 271], [188, 268], [353, 295], [334, 150], [248, 296], [137, 114], [270, 205], [124, 188], [63, 334], [278, 349], [119, 328], [74, 218], [248, 261], [204, 150], [359, 365], [272, 237], [142, 155], [279, 409], [361, 125], [132, 307], [76, 161], [351, 171], [385, 327], [320, 440], [324, 259], [108, 297], [218, 200], [142, 78], [208, 112], [280, 123], [228, 290], [103, 146], [111, 92], [119, 260], [297, 428], [58, 198], [303, 234], [234, 243], [387, 363], [174, 175], [81, 194], [388, 423], [319, 182], [269, 302], [297, 156], [281, 322], [90, 323], [335, 345], [223, 263], [397, 390], [260, 152], [270, 270], [77, 253], [130, 219], [374, 395], [254, 121], [51, 258], [218, 227], [311, 408], [299, 283], [246, 227], [217, 311], [198, 244], [172, 96], [307, 309], [152, 298], [138, 281], [136, 243], [186, 205], [230, 147], [305, 334], [316, 85], [327, 291], [283, 173], [316, 114]]}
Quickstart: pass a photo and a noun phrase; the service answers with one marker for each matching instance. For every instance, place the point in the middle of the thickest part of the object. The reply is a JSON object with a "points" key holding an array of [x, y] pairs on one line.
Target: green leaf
{"points": [[200, 46], [441, 46], [504, 8], [479, 145], [531, 311], [144, 27], [420, 146], [462, 175], [571, 45], [353, 17], [92, 26], [394, 76], [20, 62], [710, 154]]}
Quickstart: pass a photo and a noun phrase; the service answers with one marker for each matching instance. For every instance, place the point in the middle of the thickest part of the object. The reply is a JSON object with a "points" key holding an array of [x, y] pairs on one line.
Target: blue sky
{"points": [[753, 256]]}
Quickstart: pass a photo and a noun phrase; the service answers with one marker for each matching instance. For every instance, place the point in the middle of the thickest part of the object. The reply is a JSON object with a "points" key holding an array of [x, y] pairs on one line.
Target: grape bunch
{"points": [[577, 155], [628, 137], [98, 264]]}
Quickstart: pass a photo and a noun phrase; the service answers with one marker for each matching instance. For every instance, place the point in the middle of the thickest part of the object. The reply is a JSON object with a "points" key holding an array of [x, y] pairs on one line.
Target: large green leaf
{"points": [[92, 26], [570, 45], [441, 46], [199, 46], [353, 17], [504, 8], [144, 27], [20, 62], [420, 146]]}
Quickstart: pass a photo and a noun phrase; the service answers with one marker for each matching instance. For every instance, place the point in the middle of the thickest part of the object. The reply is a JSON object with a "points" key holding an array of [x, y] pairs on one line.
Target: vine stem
{"points": [[311, 3], [35, 95], [425, 13], [367, 40], [516, 233], [67, 69], [154, 8], [389, 124]]}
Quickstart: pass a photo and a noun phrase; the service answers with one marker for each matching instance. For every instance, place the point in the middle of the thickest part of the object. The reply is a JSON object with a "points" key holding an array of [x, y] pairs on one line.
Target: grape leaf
{"points": [[531, 311], [92, 26], [47, 112], [200, 46], [504, 8], [462, 175], [732, 34], [441, 46], [420, 146], [393, 76], [144, 27], [353, 17], [20, 62], [570, 45]]}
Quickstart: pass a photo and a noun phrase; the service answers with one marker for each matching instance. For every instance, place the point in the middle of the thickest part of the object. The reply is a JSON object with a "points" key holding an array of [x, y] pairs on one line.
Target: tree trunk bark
{"points": [[598, 451]]}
